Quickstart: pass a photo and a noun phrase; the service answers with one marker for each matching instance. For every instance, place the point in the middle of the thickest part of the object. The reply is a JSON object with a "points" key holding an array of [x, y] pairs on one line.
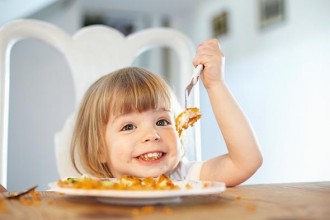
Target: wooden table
{"points": [[267, 201]]}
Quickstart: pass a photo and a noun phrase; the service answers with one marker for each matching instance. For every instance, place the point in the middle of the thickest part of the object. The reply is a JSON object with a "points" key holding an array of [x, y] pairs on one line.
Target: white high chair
{"points": [[92, 52]]}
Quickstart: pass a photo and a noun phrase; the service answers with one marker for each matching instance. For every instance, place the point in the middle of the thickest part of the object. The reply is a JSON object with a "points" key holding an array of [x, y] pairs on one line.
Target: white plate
{"points": [[131, 197]]}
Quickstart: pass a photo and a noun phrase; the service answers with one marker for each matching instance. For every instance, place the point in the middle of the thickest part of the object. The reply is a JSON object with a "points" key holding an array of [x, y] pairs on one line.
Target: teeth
{"points": [[151, 156]]}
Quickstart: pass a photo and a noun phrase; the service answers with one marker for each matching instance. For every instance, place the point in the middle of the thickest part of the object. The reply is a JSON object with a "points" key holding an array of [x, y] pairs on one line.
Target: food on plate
{"points": [[187, 118], [123, 183]]}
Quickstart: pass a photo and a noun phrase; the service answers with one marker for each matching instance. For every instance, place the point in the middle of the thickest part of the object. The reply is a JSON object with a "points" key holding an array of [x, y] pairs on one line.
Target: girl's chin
{"points": [[152, 171], [142, 171]]}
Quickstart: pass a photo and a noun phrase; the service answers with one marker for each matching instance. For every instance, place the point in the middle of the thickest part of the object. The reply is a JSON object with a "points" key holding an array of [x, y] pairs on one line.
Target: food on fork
{"points": [[187, 118], [123, 183]]}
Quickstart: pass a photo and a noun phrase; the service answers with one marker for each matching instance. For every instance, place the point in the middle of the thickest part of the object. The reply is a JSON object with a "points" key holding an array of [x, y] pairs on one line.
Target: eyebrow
{"points": [[155, 110], [162, 110]]}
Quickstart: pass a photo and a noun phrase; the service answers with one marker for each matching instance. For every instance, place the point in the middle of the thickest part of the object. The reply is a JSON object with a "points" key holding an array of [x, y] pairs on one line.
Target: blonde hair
{"points": [[123, 91]]}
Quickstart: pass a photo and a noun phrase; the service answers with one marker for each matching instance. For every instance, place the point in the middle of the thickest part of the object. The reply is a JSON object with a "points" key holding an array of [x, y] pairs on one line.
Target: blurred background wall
{"points": [[277, 66]]}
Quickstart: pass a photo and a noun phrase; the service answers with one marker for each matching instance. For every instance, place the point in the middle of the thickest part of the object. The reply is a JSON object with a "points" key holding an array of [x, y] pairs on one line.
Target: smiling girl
{"points": [[126, 126]]}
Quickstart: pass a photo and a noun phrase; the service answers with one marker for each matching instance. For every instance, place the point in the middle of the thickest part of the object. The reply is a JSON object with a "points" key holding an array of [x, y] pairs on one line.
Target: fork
{"points": [[194, 80], [18, 195]]}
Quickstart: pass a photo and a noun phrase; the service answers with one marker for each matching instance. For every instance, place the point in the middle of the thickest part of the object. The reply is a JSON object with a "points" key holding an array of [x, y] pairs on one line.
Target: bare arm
{"points": [[243, 157]]}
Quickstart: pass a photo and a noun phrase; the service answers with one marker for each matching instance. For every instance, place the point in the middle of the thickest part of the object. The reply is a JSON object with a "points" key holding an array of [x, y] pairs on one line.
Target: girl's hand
{"points": [[210, 55]]}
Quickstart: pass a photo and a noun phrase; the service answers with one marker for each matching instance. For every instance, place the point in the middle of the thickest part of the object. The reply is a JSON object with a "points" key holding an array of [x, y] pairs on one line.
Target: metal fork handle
{"points": [[194, 80], [197, 73]]}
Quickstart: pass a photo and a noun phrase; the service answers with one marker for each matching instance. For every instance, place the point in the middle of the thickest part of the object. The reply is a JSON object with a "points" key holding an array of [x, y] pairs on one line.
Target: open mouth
{"points": [[151, 156]]}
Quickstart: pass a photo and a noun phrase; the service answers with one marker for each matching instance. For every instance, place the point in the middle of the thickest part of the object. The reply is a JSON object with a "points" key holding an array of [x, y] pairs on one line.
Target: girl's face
{"points": [[142, 144]]}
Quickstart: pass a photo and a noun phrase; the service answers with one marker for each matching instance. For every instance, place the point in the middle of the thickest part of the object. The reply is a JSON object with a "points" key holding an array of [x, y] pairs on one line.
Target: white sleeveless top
{"points": [[187, 171]]}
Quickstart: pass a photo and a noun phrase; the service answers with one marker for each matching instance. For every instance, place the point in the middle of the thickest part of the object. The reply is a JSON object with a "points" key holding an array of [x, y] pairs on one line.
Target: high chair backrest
{"points": [[92, 52]]}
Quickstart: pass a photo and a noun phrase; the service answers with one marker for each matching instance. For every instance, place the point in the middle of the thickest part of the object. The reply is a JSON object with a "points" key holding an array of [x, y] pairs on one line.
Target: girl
{"points": [[126, 126]]}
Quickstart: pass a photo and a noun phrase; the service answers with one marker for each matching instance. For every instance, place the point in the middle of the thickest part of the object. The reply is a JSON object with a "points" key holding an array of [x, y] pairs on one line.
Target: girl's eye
{"points": [[162, 122], [128, 127]]}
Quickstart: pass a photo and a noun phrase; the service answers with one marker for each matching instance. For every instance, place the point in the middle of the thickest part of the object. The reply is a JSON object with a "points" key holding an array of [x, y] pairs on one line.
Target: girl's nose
{"points": [[152, 135]]}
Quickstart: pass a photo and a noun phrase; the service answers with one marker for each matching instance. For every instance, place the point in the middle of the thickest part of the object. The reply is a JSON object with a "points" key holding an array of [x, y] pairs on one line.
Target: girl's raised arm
{"points": [[243, 157]]}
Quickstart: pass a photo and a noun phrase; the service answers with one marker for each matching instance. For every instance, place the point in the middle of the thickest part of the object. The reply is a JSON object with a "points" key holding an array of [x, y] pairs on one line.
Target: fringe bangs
{"points": [[139, 91]]}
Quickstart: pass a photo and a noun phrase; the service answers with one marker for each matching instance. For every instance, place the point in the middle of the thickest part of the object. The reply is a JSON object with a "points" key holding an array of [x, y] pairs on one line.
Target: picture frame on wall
{"points": [[124, 24], [220, 24], [272, 12]]}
